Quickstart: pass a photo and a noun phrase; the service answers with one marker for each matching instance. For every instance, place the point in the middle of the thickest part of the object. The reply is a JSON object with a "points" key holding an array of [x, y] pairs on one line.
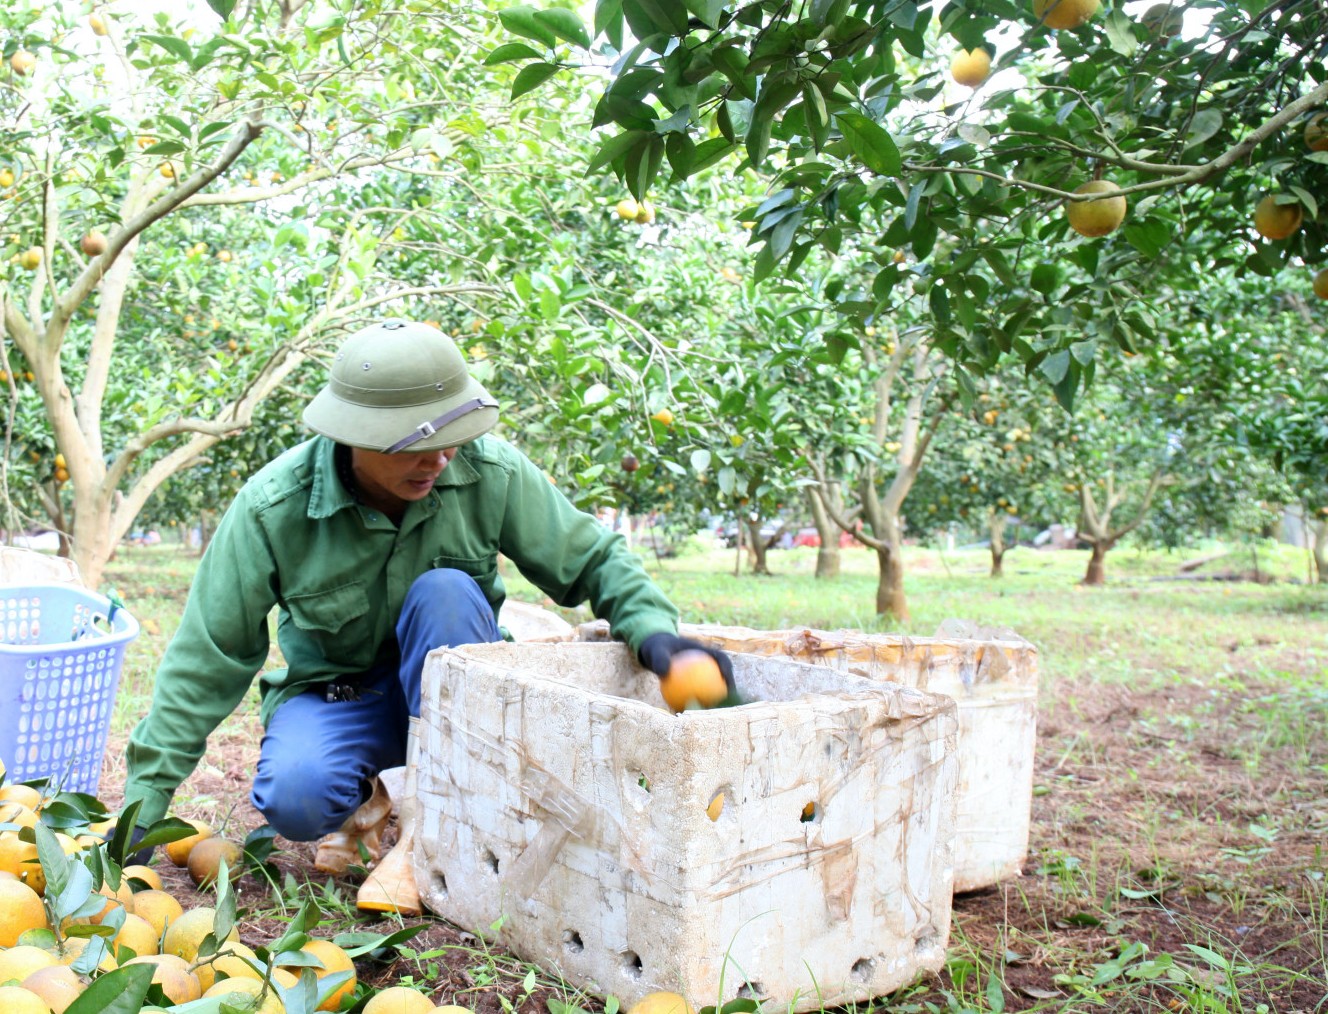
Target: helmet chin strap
{"points": [[432, 426]]}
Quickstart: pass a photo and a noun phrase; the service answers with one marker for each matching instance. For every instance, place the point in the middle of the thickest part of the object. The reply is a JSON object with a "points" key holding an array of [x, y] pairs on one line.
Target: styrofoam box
{"points": [[994, 681], [563, 813]]}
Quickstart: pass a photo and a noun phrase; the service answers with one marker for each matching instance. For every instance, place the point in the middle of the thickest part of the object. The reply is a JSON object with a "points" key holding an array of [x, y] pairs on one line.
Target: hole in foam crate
{"points": [[862, 970], [572, 941], [440, 884], [491, 860], [751, 990], [811, 812], [631, 962], [638, 782]]}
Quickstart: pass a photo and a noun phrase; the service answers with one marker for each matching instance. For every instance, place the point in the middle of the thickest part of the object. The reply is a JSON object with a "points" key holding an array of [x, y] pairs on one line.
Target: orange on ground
{"points": [[172, 974], [334, 959], [399, 1000], [693, 679], [19, 962], [205, 860], [183, 936], [246, 993], [146, 874], [17, 1000], [661, 1003], [178, 851], [230, 963], [138, 935], [14, 812], [20, 910], [75, 946], [25, 794], [58, 985], [158, 908]]}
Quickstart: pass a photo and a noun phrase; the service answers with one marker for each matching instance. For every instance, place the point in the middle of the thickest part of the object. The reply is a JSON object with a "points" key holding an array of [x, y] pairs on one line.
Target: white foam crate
{"points": [[561, 803], [994, 681]]}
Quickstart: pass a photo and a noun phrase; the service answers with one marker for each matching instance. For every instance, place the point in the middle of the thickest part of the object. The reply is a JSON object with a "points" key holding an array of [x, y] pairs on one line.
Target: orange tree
{"points": [[193, 211], [845, 109]]}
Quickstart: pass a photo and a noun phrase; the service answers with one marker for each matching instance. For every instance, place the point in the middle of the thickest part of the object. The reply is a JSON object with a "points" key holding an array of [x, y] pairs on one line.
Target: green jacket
{"points": [[338, 573]]}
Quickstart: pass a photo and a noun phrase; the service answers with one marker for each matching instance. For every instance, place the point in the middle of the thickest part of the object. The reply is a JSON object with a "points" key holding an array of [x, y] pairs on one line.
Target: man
{"points": [[377, 541]]}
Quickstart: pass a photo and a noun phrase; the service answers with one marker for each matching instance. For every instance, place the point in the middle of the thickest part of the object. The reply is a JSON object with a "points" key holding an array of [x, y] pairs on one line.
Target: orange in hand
{"points": [[693, 679]]}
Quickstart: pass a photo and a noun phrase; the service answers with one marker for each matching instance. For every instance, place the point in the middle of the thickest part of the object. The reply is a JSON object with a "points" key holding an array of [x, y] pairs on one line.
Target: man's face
{"points": [[388, 481]]}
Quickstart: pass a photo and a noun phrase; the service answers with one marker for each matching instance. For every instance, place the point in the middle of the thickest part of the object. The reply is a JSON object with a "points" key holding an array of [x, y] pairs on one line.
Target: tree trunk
{"points": [[1097, 571], [827, 556], [1320, 530], [890, 600], [996, 522], [756, 547]]}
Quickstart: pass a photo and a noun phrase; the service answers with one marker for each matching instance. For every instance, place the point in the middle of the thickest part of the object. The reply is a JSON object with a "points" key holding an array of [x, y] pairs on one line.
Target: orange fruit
{"points": [[693, 679], [1064, 13], [17, 1000], [172, 974], [138, 935], [1276, 221], [233, 961], [19, 962], [58, 985], [661, 1003], [970, 67], [20, 910], [246, 993], [205, 860], [334, 959], [178, 851], [146, 874], [157, 908], [1321, 284], [399, 1000], [1096, 218], [183, 936], [1316, 132]]}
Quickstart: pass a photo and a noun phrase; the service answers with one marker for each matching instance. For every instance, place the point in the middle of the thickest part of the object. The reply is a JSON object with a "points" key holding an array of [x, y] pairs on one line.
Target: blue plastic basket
{"points": [[61, 649]]}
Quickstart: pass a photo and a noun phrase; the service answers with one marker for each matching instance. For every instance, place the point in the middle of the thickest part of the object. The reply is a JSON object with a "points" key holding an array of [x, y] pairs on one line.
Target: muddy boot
{"points": [[364, 827], [390, 886]]}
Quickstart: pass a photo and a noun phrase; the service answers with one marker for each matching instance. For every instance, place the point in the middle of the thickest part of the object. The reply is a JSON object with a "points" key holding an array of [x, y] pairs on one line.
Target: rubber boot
{"points": [[390, 886], [364, 827]]}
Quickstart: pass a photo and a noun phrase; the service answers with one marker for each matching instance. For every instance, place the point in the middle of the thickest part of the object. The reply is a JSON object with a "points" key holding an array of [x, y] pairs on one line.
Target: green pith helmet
{"points": [[398, 386]]}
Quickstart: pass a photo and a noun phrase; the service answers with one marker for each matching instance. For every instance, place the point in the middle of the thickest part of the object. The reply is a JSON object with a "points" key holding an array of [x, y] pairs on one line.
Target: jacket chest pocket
{"points": [[338, 621], [483, 569]]}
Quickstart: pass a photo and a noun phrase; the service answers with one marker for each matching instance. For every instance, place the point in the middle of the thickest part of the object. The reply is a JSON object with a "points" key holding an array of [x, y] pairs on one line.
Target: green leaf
{"points": [[521, 20], [1045, 277], [565, 24], [1149, 237], [531, 77], [359, 944], [511, 51], [1120, 33], [871, 143], [1055, 366], [1306, 198], [648, 17], [121, 991], [222, 8], [1205, 124], [54, 863], [178, 48], [618, 146]]}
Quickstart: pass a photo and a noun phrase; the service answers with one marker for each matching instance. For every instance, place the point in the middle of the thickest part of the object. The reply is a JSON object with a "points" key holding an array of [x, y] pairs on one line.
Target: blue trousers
{"points": [[318, 758]]}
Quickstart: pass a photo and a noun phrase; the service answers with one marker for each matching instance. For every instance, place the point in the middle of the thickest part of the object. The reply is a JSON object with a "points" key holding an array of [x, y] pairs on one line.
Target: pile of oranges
{"points": [[77, 929]]}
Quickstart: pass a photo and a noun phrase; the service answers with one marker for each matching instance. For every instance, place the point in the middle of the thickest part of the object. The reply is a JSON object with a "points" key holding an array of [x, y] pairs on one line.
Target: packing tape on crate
{"points": [[566, 814]]}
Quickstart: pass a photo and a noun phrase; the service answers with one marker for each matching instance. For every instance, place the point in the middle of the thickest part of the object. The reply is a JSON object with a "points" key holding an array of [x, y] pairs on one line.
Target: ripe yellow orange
{"points": [[334, 959], [20, 961], [6, 179], [693, 679], [183, 936], [172, 974], [93, 244], [158, 908], [664, 417], [22, 61], [224, 256], [167, 170], [74, 947], [146, 874], [246, 995], [20, 910], [178, 851], [399, 1000], [1321, 284], [235, 961], [627, 208], [645, 214], [1064, 13], [31, 258], [661, 1003], [138, 935], [14, 812], [62, 475], [97, 24], [970, 67], [1316, 134], [58, 985], [1276, 221], [17, 1000], [1096, 218]]}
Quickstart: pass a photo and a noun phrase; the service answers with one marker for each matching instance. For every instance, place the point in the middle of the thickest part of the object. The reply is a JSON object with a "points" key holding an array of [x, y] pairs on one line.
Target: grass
{"points": [[1177, 855]]}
